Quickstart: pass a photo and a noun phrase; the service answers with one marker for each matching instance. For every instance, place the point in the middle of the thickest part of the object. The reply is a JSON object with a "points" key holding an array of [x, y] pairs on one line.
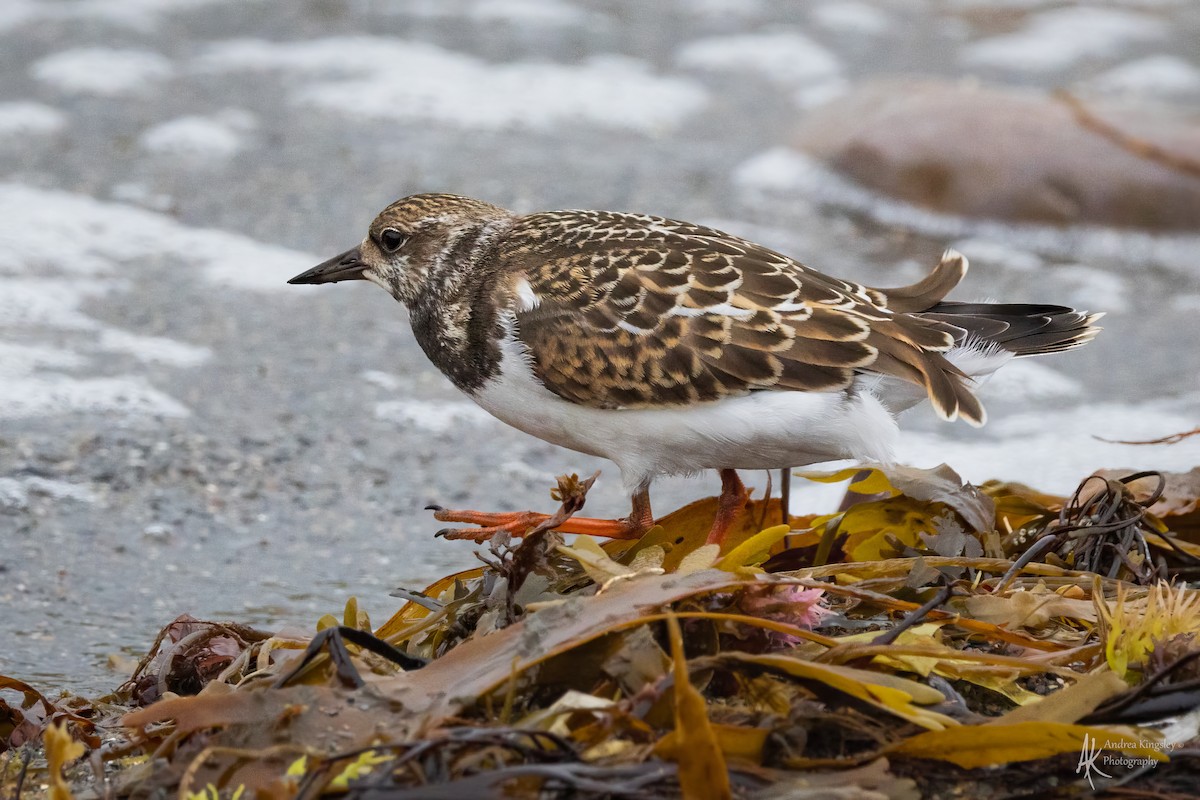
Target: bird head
{"points": [[413, 242]]}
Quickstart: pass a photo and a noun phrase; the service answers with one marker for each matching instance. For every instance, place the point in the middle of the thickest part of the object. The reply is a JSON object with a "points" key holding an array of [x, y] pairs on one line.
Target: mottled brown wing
{"points": [[627, 310]]}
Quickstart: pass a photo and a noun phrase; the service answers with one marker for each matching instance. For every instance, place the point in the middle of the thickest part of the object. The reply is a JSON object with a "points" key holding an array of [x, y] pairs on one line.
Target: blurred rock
{"points": [[1009, 154]]}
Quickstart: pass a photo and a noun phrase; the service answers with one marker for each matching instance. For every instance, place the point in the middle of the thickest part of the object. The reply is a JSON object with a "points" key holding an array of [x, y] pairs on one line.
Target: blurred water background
{"points": [[181, 432]]}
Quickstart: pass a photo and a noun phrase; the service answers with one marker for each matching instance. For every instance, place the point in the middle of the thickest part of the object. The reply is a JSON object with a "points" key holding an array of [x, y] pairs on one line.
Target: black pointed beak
{"points": [[348, 266]]}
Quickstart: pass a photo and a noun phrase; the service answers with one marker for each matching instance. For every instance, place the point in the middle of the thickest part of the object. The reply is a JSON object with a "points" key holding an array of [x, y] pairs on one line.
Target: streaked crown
{"points": [[416, 210]]}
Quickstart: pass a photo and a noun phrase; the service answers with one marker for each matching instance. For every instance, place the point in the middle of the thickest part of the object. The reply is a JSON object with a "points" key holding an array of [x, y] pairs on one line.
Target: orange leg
{"points": [[516, 523], [729, 505]]}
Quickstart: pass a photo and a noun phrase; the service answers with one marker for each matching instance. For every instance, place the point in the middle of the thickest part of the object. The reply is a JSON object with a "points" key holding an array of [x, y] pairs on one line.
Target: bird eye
{"points": [[391, 239]]}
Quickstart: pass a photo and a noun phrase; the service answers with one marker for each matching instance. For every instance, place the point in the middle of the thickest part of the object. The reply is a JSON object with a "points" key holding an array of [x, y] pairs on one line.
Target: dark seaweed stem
{"points": [[333, 641], [1155, 685], [943, 594], [1029, 556], [1114, 513], [1099, 532], [473, 753], [27, 754], [1183, 554]]}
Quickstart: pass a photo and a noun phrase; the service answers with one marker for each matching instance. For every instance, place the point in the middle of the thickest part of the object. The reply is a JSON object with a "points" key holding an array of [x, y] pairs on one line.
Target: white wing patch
{"points": [[525, 295], [724, 309], [625, 326]]}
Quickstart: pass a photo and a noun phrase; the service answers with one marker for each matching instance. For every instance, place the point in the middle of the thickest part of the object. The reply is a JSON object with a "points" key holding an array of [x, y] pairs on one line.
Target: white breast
{"points": [[762, 430]]}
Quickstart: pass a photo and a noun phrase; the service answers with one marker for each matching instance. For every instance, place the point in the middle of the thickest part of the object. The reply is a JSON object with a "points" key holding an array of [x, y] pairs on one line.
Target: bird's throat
{"points": [[460, 334]]}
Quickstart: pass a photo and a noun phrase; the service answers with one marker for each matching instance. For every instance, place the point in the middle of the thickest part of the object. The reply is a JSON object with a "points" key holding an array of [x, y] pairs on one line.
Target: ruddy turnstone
{"points": [[671, 348]]}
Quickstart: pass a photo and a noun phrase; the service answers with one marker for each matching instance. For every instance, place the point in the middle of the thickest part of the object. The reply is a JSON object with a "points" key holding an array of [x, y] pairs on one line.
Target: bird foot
{"points": [[733, 499], [518, 523], [515, 523]]}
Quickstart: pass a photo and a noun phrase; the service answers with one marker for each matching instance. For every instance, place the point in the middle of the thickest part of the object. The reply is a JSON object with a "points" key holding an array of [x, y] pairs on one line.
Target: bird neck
{"points": [[455, 320]]}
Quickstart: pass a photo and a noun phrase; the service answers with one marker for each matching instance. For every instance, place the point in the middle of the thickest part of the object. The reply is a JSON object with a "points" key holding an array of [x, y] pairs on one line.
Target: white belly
{"points": [[762, 430]]}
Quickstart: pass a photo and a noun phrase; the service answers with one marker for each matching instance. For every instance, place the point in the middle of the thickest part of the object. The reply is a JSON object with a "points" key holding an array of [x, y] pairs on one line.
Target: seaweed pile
{"points": [[930, 638]]}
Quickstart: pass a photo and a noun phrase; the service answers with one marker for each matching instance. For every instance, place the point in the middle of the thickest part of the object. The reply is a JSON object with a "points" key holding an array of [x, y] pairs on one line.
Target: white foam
{"points": [[1186, 302], [236, 261], [118, 235], [153, 349], [818, 94], [14, 492], [384, 380], [140, 15], [103, 71], [19, 360], [47, 277], [1162, 74], [24, 118], [987, 251], [33, 384], [48, 304], [200, 138], [357, 76], [1054, 449], [783, 172], [1089, 287], [15, 13], [56, 394], [1024, 379], [787, 57], [433, 417], [1057, 39], [850, 17], [142, 195]]}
